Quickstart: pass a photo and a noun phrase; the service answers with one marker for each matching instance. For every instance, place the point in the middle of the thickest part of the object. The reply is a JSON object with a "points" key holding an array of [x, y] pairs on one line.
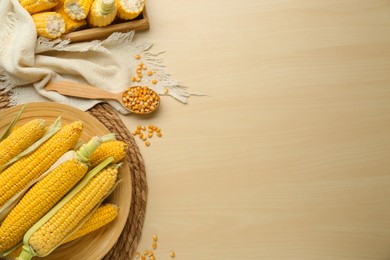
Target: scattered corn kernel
{"points": [[137, 255], [144, 67], [150, 253], [150, 73], [155, 238], [173, 254], [143, 257], [150, 135], [147, 143], [154, 245], [154, 81], [146, 252], [138, 56], [152, 257], [143, 128], [159, 134], [166, 90]]}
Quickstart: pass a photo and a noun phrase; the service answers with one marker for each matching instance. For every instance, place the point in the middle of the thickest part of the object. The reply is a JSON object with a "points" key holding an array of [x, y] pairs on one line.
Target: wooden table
{"points": [[288, 155]]}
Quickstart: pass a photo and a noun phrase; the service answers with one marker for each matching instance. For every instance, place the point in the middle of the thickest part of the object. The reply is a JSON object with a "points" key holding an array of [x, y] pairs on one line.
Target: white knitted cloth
{"points": [[28, 63]]}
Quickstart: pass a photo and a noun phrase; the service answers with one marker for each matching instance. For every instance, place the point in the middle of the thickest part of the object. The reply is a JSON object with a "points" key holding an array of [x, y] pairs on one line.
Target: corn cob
{"points": [[70, 24], [61, 224], [20, 139], [49, 24], [102, 13], [77, 9], [102, 216], [36, 6], [17, 176], [46, 193], [39, 200], [115, 149], [130, 9]]}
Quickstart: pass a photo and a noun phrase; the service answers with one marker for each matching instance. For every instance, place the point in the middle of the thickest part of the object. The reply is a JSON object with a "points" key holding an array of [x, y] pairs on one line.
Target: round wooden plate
{"points": [[97, 244]]}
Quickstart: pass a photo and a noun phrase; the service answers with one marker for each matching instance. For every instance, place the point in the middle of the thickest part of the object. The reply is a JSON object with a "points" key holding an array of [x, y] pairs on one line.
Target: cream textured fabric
{"points": [[28, 63]]}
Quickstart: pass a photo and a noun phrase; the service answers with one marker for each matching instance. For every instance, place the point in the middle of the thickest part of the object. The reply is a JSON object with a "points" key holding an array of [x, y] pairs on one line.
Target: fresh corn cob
{"points": [[70, 24], [61, 224], [130, 9], [115, 149], [20, 139], [102, 13], [77, 9], [46, 193], [36, 6], [39, 200], [101, 217], [17, 176], [49, 24]]}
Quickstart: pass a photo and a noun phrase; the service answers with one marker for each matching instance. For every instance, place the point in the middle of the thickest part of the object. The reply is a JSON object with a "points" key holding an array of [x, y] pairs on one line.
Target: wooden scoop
{"points": [[86, 91]]}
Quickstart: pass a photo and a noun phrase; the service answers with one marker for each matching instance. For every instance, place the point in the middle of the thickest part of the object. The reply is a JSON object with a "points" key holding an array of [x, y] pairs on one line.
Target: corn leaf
{"points": [[7, 131]]}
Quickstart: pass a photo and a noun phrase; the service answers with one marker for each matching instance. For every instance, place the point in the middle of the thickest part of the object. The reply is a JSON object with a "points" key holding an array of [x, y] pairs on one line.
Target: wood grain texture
{"points": [[288, 155], [96, 244]]}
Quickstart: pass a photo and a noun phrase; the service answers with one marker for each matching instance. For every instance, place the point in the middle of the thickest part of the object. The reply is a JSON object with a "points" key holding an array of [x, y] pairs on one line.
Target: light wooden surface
{"points": [[289, 155]]}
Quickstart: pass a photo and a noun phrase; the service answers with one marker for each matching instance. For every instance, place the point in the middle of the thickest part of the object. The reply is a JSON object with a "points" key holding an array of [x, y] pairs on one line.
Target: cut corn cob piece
{"points": [[101, 217], [102, 13], [46, 193], [49, 24], [36, 6], [21, 139], [77, 9], [70, 24], [115, 149], [70, 213], [39, 200], [130, 9], [17, 176]]}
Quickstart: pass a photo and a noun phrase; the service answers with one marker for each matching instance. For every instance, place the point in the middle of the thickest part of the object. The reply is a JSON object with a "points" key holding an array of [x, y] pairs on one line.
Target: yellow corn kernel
{"points": [[49, 24], [130, 9], [21, 138], [17, 176], [101, 217], [50, 234], [116, 149], [39, 200], [77, 9], [102, 13], [36, 6]]}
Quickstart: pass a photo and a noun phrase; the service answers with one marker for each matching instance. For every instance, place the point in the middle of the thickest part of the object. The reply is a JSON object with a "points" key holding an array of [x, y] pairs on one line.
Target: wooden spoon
{"points": [[87, 91]]}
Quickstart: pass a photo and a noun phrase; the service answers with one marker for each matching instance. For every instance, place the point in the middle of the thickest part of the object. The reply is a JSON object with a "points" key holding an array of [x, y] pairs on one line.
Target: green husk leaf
{"points": [[28, 252], [7, 131], [54, 128]]}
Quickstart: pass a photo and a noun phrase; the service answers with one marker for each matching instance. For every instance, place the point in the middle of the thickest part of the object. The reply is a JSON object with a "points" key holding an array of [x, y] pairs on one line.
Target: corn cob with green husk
{"points": [[20, 174], [70, 24], [102, 13], [46, 193], [20, 139], [77, 9], [49, 24], [130, 9], [36, 6], [102, 216], [115, 149], [70, 213]]}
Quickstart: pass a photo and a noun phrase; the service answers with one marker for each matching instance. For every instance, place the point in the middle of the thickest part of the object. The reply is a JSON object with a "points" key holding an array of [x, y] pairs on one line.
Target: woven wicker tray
{"points": [[127, 244]]}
